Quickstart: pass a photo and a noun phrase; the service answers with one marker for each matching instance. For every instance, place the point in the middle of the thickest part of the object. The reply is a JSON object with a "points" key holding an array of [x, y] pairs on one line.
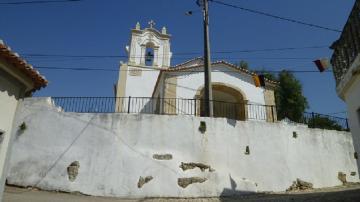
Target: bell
{"points": [[149, 56]]}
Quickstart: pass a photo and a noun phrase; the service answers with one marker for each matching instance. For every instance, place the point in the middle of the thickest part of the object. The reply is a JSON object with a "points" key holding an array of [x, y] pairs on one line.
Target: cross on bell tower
{"points": [[152, 23]]}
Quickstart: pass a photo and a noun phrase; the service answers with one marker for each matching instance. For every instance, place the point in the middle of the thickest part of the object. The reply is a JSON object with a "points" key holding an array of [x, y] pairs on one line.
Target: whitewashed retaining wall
{"points": [[114, 150]]}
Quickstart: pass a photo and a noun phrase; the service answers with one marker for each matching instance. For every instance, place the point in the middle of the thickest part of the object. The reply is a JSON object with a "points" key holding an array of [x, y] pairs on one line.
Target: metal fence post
{"points": [[313, 119], [272, 113], [347, 124], [129, 105], [195, 107]]}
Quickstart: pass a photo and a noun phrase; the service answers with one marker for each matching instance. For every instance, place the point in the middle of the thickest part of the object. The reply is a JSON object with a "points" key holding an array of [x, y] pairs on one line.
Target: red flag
{"points": [[259, 80], [256, 80], [322, 64], [262, 80]]}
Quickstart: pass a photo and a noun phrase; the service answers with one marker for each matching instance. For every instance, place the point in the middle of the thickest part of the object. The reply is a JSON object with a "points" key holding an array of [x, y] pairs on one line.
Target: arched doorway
{"points": [[227, 102]]}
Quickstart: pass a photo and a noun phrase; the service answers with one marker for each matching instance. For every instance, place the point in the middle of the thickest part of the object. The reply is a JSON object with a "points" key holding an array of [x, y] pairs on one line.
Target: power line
{"points": [[276, 16], [78, 68], [181, 53], [183, 58], [37, 2], [272, 49], [149, 70]]}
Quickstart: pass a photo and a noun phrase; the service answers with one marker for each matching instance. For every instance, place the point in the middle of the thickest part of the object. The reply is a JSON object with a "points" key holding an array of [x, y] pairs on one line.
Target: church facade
{"points": [[178, 89]]}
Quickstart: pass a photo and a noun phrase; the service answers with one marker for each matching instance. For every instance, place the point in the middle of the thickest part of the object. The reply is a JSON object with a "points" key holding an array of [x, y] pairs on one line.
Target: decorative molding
{"points": [[135, 72]]}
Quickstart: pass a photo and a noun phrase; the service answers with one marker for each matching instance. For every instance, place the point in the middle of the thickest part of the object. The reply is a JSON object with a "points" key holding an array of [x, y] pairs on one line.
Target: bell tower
{"points": [[148, 53], [149, 47]]}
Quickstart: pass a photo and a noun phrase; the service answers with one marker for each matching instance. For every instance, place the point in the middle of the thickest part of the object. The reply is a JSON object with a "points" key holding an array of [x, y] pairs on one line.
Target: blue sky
{"points": [[102, 27]]}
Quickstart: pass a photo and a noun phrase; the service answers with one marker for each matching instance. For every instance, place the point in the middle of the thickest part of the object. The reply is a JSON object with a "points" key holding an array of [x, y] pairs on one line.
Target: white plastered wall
{"points": [[352, 99], [9, 95], [115, 149]]}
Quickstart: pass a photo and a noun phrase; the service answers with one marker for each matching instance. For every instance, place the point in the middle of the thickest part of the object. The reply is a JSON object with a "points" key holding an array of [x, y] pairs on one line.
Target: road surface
{"points": [[350, 193]]}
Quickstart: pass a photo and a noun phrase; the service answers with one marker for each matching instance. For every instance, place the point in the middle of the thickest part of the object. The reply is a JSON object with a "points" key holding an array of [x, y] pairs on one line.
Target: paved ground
{"points": [[348, 193]]}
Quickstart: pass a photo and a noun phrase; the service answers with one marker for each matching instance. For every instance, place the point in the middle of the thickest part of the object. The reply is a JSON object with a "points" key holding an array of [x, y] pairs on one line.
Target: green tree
{"points": [[268, 75], [243, 64], [290, 101], [324, 123]]}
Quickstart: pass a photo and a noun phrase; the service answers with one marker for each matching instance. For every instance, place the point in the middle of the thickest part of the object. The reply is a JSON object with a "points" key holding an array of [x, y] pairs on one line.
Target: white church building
{"points": [[149, 84]]}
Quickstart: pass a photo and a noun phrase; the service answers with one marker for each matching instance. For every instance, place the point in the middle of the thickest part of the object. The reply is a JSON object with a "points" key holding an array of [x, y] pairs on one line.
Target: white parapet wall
{"points": [[135, 156]]}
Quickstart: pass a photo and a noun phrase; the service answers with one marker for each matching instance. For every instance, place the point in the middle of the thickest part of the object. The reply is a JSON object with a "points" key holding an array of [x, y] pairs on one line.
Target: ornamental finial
{"points": [[137, 26], [164, 31], [152, 23]]}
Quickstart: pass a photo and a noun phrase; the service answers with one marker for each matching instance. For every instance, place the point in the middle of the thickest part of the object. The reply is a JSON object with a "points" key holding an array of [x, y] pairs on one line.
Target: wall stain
{"points": [[201, 166], [184, 182]]}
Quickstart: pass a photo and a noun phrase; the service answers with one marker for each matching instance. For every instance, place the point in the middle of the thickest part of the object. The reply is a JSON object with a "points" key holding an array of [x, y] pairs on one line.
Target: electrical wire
{"points": [[37, 2], [275, 16], [183, 53], [187, 71], [234, 59]]}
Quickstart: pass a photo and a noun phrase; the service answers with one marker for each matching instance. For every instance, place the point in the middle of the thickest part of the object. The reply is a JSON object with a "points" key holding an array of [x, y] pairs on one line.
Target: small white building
{"points": [[18, 79], [147, 83], [346, 67]]}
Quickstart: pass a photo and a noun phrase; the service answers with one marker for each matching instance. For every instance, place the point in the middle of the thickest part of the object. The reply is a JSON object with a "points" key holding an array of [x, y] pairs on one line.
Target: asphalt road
{"points": [[337, 194]]}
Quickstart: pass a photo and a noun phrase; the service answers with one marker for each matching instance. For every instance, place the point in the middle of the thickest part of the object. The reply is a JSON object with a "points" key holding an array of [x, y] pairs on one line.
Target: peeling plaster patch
{"points": [[184, 182], [295, 134], [162, 156], [342, 177], [73, 170], [300, 185], [201, 166], [143, 181]]}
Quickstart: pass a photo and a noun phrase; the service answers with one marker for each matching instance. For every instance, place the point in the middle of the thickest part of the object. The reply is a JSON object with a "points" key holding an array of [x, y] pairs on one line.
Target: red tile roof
{"points": [[13, 58]]}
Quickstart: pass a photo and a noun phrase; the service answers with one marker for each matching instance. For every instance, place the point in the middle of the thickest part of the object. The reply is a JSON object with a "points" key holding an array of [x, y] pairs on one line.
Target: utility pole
{"points": [[207, 61]]}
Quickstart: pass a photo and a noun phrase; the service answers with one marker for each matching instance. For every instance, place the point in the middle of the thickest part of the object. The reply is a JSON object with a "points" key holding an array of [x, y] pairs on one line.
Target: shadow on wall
{"points": [[335, 196], [148, 108], [10, 85], [10, 92], [232, 195], [231, 122], [232, 192]]}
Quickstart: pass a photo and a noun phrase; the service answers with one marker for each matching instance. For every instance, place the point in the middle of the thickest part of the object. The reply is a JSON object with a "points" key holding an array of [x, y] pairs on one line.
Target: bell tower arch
{"points": [[149, 47], [148, 53]]}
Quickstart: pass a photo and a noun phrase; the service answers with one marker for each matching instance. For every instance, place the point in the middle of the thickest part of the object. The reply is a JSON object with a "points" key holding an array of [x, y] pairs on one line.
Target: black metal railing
{"points": [[169, 106], [323, 121], [194, 107], [347, 47]]}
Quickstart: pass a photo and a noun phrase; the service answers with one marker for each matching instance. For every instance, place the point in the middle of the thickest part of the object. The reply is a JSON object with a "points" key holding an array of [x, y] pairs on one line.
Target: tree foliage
{"points": [[269, 75], [243, 64], [324, 123], [290, 101]]}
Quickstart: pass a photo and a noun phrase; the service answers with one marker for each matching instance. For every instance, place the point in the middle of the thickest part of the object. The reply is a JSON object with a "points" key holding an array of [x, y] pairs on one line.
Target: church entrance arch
{"points": [[228, 102]]}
